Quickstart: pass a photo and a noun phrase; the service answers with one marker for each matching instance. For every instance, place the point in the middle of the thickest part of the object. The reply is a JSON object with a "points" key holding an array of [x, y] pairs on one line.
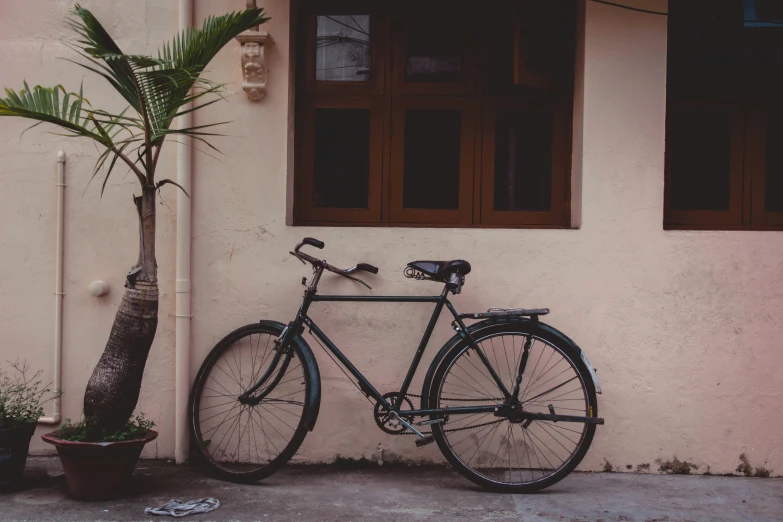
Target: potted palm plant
{"points": [[22, 398], [157, 89]]}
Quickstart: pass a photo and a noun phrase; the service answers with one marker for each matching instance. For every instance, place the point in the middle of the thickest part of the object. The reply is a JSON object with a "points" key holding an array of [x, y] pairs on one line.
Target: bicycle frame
{"points": [[302, 320], [367, 387]]}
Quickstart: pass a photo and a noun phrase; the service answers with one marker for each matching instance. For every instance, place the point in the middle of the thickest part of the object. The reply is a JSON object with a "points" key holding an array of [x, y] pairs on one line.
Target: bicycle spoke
{"points": [[283, 409], [231, 429], [508, 364], [260, 424], [542, 375], [505, 450], [295, 403], [255, 441], [278, 418], [232, 377], [550, 390], [216, 405], [221, 413], [484, 393], [532, 373], [244, 438]]}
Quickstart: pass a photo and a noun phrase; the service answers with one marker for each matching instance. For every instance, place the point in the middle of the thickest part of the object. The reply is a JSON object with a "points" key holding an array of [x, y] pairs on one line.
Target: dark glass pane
{"points": [[545, 32], [699, 143], [726, 34], [432, 158], [342, 158], [434, 46], [497, 37], [763, 13], [523, 160], [343, 48], [773, 185]]}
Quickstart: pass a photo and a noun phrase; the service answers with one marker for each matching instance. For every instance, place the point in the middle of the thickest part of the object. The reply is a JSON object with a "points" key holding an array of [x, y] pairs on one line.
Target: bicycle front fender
{"points": [[311, 367], [476, 329]]}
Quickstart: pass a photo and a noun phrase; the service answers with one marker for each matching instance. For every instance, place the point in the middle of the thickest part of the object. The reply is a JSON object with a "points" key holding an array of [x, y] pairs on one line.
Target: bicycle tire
{"points": [[310, 401], [442, 431]]}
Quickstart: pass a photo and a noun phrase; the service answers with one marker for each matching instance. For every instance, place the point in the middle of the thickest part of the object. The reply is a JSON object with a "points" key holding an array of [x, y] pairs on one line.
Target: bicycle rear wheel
{"points": [[243, 442], [497, 453]]}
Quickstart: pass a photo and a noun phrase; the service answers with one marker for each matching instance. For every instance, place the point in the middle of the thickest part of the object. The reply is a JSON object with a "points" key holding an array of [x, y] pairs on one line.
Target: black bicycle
{"points": [[510, 401]]}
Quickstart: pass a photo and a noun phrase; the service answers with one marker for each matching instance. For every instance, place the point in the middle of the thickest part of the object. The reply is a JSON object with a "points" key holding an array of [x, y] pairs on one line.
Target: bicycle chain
{"points": [[453, 429]]}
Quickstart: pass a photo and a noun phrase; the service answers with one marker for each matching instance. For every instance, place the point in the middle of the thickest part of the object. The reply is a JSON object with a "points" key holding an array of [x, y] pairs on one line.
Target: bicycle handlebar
{"points": [[367, 268], [310, 241], [364, 267]]}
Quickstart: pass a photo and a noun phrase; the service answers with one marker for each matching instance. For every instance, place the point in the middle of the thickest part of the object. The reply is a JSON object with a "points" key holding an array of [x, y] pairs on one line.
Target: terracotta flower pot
{"points": [[98, 470], [14, 445]]}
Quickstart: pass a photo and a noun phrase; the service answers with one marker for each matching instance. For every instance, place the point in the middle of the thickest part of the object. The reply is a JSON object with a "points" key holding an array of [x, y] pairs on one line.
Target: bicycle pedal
{"points": [[429, 439]]}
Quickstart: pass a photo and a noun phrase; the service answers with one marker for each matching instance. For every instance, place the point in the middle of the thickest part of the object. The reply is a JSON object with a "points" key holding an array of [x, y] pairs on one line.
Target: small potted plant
{"points": [[22, 398], [99, 464]]}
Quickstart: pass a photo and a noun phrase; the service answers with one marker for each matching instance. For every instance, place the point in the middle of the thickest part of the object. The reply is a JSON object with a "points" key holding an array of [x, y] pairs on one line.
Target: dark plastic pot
{"points": [[98, 470], [14, 445]]}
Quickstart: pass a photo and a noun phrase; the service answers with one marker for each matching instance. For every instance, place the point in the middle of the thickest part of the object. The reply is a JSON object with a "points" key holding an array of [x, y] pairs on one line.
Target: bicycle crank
{"points": [[390, 422]]}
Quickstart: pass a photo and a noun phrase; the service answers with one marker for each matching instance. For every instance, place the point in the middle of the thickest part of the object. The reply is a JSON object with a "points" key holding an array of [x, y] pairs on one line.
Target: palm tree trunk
{"points": [[113, 389]]}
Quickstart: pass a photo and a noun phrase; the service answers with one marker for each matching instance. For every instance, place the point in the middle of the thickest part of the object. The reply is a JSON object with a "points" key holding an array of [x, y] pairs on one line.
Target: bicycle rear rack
{"points": [[506, 312]]}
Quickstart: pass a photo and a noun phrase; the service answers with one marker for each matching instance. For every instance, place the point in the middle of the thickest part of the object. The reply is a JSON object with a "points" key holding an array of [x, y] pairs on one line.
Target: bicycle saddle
{"points": [[441, 270]]}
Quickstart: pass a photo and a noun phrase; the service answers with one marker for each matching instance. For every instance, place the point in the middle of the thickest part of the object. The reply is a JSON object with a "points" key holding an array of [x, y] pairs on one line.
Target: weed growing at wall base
{"points": [[136, 428]]}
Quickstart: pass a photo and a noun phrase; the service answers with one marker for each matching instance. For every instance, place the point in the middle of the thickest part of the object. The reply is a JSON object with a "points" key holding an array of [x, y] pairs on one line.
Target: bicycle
{"points": [[501, 424]]}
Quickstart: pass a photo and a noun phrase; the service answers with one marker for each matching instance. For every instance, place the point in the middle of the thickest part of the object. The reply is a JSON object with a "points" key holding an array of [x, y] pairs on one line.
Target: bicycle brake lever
{"points": [[357, 280]]}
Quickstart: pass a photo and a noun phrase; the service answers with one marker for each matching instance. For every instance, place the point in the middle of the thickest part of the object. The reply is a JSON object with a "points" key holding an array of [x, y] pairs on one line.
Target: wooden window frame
{"points": [[387, 95], [401, 86], [463, 214], [708, 218], [377, 57], [747, 87], [756, 170], [309, 211], [558, 213]]}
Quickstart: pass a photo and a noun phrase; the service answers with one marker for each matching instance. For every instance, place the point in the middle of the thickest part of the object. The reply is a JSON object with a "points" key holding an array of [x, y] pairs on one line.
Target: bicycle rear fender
{"points": [[310, 414], [476, 329]]}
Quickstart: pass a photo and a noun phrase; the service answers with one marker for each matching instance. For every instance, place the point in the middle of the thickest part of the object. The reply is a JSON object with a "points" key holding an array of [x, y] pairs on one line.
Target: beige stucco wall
{"points": [[683, 327]]}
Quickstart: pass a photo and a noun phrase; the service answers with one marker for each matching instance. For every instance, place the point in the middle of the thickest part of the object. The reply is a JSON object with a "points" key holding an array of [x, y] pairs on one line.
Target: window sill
{"points": [[727, 228], [298, 223]]}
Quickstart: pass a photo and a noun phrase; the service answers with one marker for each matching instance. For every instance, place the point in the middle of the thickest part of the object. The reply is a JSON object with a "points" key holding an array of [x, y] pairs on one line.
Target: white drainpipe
{"points": [[183, 310], [58, 290]]}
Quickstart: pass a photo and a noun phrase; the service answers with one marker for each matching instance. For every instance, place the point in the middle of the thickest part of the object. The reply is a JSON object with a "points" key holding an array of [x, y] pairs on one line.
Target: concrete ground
{"points": [[403, 494]]}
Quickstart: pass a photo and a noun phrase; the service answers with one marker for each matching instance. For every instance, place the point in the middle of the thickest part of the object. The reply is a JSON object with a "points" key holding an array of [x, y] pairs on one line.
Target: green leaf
{"points": [[171, 182], [158, 88], [42, 105]]}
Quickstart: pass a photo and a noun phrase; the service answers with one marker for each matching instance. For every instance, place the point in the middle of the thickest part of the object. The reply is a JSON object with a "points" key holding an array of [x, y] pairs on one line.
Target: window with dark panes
{"points": [[724, 168], [434, 113]]}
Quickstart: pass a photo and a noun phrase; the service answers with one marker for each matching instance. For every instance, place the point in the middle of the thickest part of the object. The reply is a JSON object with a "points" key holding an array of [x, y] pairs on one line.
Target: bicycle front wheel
{"points": [[243, 442], [497, 453]]}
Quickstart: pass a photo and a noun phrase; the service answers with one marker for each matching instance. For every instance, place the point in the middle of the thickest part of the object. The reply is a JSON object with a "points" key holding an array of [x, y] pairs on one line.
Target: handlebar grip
{"points": [[313, 242], [367, 268]]}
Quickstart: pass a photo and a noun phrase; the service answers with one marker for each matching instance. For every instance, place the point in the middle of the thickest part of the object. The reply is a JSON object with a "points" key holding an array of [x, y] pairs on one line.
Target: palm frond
{"points": [[43, 104], [95, 44], [189, 53], [156, 88], [196, 47]]}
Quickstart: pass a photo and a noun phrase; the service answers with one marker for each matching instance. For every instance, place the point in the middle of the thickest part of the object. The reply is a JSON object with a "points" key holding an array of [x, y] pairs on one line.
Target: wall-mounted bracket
{"points": [[254, 69]]}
